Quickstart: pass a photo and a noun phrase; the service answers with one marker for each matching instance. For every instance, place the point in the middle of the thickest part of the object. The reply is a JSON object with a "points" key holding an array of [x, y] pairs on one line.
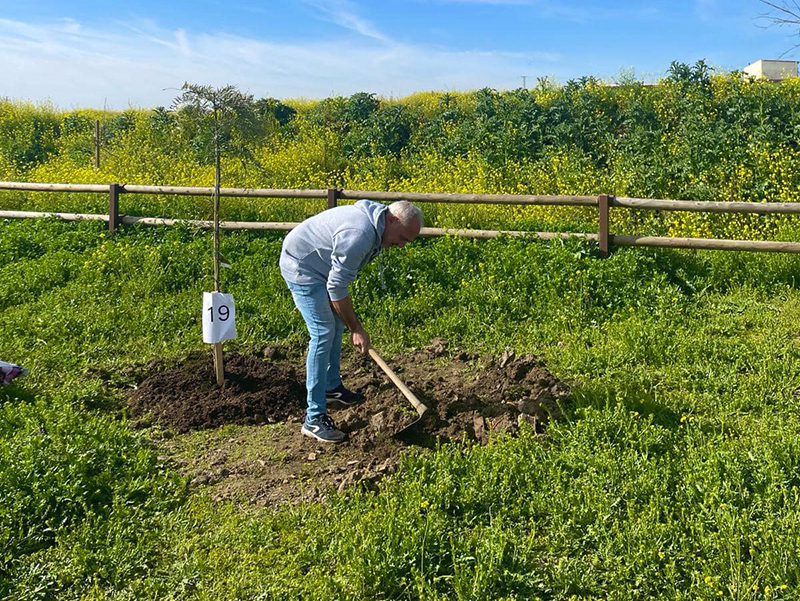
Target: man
{"points": [[319, 259]]}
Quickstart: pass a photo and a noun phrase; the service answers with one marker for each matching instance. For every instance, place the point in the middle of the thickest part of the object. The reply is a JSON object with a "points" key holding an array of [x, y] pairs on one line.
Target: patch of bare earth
{"points": [[243, 439]]}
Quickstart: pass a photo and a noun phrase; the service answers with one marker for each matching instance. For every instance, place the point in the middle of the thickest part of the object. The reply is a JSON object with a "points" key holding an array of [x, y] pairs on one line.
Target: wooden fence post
{"points": [[97, 144], [113, 206], [603, 201], [333, 194]]}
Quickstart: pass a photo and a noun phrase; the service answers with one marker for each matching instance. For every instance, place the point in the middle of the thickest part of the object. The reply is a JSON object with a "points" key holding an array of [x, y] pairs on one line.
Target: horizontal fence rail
{"points": [[532, 199], [37, 187], [603, 202], [761, 208], [707, 244], [514, 199], [285, 226]]}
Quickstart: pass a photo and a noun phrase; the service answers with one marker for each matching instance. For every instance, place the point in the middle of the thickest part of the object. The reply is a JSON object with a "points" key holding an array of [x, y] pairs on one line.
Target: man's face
{"points": [[396, 234]]}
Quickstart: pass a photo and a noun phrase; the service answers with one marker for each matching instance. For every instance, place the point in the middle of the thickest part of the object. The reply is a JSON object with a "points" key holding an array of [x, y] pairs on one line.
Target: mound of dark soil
{"points": [[186, 397], [466, 395], [469, 396]]}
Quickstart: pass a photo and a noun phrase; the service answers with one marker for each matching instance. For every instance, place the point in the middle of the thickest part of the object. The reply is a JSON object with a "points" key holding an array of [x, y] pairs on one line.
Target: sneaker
{"points": [[343, 396], [322, 428]]}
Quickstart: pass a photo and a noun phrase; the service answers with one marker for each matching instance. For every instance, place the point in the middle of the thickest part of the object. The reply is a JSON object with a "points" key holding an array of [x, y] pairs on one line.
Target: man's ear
{"points": [[389, 218]]}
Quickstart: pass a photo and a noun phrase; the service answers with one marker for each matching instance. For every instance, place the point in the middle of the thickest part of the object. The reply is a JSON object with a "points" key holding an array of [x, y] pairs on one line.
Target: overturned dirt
{"points": [[259, 455], [186, 397]]}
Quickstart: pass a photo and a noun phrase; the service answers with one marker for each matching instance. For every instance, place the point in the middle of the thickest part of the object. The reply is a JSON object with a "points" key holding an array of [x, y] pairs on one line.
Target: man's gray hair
{"points": [[407, 212]]}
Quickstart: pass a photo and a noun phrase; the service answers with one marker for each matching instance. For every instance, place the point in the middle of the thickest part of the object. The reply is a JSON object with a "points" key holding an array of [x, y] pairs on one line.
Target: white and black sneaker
{"points": [[322, 428], [340, 394]]}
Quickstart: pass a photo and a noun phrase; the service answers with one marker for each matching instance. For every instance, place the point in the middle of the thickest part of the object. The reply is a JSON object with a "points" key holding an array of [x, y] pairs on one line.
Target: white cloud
{"points": [[509, 2], [74, 65], [578, 12], [707, 10], [345, 14]]}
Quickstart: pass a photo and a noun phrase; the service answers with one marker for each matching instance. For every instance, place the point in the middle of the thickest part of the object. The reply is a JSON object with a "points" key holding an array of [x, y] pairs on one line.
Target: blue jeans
{"points": [[325, 348]]}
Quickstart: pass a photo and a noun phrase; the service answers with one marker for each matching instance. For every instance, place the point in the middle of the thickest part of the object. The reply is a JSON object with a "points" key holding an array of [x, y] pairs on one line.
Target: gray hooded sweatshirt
{"points": [[331, 247]]}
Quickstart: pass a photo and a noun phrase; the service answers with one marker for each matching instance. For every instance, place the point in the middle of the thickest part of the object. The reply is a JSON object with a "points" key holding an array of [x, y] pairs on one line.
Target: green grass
{"points": [[674, 475]]}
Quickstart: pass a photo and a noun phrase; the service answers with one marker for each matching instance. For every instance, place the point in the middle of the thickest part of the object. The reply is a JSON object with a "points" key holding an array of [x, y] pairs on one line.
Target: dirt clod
{"points": [[507, 356], [437, 348]]}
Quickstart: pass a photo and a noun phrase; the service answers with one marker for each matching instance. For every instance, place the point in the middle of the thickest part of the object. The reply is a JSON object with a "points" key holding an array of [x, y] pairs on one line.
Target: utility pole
{"points": [[524, 81]]}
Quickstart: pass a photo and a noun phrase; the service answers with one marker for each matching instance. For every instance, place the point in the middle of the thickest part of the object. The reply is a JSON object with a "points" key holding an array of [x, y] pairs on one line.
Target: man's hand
{"points": [[344, 309], [360, 340]]}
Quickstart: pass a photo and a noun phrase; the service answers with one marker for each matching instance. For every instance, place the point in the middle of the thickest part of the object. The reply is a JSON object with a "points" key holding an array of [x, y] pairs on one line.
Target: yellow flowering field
{"points": [[694, 136]]}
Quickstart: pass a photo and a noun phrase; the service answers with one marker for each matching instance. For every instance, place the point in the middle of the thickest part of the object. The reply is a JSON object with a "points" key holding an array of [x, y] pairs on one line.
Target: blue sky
{"points": [[118, 54]]}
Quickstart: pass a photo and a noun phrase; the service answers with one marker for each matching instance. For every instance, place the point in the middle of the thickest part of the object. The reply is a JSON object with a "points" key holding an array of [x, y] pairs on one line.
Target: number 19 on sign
{"points": [[223, 313], [219, 317]]}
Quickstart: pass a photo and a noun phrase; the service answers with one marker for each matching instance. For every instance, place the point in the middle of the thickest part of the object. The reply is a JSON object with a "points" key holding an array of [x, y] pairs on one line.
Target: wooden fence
{"points": [[603, 202]]}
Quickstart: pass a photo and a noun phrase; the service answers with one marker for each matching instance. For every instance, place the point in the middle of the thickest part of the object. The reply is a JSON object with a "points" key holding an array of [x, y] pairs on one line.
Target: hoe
{"points": [[421, 409]]}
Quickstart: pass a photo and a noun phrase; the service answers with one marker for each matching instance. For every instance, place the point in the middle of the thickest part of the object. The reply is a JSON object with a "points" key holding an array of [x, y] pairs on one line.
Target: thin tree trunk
{"points": [[216, 223], [218, 359]]}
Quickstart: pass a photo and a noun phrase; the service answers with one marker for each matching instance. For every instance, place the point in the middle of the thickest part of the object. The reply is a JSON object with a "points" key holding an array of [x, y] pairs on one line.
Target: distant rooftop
{"points": [[774, 70]]}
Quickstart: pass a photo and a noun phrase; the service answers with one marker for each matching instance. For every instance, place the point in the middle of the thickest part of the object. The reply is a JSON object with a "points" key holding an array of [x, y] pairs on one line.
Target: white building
{"points": [[772, 70]]}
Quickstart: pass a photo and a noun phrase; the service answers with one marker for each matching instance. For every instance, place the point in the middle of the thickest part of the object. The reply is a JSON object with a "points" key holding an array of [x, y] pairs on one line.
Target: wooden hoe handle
{"points": [[398, 382]]}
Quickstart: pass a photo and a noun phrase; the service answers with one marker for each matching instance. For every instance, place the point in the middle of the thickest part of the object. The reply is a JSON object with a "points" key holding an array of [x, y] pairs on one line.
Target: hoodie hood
{"points": [[376, 212]]}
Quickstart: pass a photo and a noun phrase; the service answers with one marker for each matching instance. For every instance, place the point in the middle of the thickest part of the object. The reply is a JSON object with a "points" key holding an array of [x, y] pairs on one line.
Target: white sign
{"points": [[219, 317]]}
